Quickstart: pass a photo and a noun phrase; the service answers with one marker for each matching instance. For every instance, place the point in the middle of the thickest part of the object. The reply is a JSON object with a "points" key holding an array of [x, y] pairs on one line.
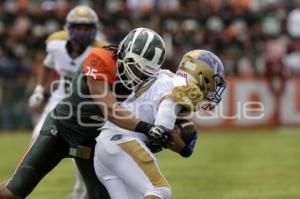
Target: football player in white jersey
{"points": [[123, 162], [66, 50]]}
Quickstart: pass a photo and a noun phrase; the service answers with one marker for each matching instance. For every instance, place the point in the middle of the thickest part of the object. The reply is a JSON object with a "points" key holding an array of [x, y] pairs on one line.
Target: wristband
{"points": [[143, 127]]}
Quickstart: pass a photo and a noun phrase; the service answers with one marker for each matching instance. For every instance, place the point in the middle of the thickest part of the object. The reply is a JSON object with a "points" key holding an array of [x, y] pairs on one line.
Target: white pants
{"points": [[127, 168]]}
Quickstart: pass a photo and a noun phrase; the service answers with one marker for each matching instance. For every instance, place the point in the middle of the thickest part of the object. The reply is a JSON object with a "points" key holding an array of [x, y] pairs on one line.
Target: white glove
{"points": [[37, 97]]}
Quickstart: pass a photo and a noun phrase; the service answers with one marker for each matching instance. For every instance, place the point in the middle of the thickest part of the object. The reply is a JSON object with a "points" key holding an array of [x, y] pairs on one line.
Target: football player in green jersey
{"points": [[70, 129], [66, 50]]}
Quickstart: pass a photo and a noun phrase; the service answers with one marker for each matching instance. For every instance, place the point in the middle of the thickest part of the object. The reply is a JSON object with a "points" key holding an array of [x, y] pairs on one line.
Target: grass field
{"points": [[260, 165]]}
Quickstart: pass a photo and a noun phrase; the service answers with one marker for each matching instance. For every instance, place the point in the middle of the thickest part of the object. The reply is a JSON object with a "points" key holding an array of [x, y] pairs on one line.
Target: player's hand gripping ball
{"points": [[186, 130]]}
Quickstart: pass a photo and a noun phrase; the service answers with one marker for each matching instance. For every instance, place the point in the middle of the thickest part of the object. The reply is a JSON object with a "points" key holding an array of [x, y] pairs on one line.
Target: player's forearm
{"points": [[122, 118], [109, 105], [166, 114], [44, 77], [38, 95], [117, 114], [177, 143]]}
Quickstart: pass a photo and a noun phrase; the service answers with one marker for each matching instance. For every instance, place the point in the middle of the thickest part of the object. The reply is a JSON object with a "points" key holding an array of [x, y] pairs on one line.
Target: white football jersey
{"points": [[58, 59], [144, 105], [66, 67]]}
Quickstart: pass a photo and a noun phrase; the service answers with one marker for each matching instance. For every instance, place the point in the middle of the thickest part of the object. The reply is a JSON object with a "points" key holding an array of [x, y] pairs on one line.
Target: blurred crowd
{"points": [[252, 37]]}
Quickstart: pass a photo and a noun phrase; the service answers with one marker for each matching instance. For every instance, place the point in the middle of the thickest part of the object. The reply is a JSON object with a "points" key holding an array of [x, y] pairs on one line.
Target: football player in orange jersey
{"points": [[66, 50], [70, 129]]}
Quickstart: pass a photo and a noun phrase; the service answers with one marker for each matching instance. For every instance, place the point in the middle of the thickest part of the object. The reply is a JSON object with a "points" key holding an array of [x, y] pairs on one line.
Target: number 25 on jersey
{"points": [[91, 72]]}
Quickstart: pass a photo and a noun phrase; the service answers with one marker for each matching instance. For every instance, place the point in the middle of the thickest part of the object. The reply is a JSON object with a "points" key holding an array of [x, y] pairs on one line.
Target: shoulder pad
{"points": [[188, 96], [59, 35], [167, 72], [100, 43]]}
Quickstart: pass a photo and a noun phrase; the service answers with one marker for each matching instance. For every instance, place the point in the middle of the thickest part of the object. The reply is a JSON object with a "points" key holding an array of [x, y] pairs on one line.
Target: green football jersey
{"points": [[77, 117]]}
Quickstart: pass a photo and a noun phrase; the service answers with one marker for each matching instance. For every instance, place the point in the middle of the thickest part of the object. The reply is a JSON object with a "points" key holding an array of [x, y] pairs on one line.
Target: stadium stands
{"points": [[246, 34]]}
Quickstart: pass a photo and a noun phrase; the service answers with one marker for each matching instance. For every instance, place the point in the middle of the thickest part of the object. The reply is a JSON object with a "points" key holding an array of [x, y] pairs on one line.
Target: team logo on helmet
{"points": [[212, 61]]}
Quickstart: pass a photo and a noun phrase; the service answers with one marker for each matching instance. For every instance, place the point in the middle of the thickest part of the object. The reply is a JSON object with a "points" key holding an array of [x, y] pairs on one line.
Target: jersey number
{"points": [[91, 72]]}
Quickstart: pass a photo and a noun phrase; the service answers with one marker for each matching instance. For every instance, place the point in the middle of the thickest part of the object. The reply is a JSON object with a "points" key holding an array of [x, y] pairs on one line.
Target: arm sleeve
{"points": [[166, 114], [49, 61]]}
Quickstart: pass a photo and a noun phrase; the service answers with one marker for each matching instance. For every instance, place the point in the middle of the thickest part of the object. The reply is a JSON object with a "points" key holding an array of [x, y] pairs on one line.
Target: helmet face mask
{"points": [[215, 97], [82, 34], [82, 23], [206, 70], [140, 56], [130, 73]]}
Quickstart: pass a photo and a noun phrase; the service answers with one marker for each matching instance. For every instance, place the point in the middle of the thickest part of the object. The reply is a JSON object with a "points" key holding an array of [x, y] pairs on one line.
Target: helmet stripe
{"points": [[157, 55], [148, 42], [138, 31]]}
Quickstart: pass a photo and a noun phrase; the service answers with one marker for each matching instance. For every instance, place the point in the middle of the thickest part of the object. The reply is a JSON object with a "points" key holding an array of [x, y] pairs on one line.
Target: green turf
{"points": [[260, 165]]}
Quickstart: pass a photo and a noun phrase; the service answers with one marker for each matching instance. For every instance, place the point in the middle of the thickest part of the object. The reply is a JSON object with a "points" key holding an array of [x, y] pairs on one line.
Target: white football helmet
{"points": [[82, 23], [139, 57]]}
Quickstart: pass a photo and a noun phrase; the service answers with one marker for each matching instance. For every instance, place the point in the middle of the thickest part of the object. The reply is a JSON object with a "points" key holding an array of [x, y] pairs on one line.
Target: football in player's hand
{"points": [[186, 129]]}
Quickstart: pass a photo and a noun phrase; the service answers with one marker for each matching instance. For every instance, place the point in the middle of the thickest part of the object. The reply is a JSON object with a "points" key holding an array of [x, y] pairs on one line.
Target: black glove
{"points": [[154, 148], [159, 135]]}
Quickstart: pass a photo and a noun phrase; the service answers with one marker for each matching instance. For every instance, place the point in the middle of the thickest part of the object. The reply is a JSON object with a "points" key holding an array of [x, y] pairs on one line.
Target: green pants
{"points": [[44, 154]]}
